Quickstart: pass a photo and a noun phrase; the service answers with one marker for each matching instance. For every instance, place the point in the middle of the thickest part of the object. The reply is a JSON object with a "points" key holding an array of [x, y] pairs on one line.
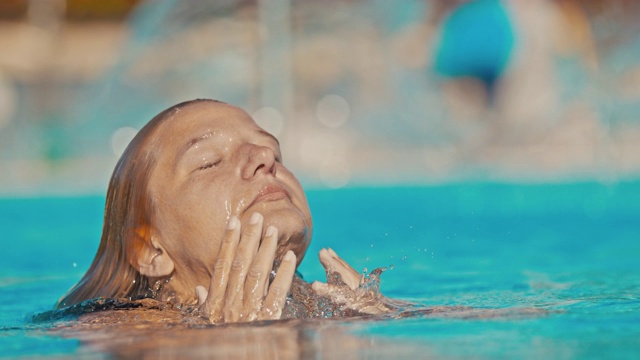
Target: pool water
{"points": [[570, 250]]}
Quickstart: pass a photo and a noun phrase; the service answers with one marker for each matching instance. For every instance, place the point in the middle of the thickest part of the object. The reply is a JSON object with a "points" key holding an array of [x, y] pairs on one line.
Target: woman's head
{"points": [[183, 176]]}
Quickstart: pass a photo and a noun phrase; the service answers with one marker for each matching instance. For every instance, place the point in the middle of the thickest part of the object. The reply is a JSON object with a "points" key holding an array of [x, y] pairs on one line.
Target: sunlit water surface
{"points": [[569, 251]]}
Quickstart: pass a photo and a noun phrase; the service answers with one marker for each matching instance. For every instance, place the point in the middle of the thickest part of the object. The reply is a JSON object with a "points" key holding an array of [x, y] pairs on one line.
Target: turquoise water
{"points": [[570, 249]]}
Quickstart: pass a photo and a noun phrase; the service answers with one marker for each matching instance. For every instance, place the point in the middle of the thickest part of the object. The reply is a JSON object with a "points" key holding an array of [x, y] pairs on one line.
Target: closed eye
{"points": [[210, 165]]}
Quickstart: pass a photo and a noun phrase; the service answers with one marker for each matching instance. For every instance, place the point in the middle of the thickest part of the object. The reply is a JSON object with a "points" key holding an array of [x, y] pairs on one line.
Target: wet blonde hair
{"points": [[128, 210]]}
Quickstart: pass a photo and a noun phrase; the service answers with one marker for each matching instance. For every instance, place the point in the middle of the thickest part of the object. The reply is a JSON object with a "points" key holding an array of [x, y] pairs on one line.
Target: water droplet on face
{"points": [[227, 208], [241, 205]]}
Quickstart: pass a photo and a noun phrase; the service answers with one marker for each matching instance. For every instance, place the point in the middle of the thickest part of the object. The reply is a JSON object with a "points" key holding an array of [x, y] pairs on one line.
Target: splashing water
{"points": [[302, 303]]}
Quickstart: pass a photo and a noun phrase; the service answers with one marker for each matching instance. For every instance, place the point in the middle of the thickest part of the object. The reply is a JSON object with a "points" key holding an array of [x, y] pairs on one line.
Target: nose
{"points": [[260, 160]]}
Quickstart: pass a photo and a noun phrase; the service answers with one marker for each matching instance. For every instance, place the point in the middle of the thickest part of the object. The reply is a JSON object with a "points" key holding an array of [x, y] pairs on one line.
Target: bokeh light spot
{"points": [[333, 111], [335, 174], [121, 138], [269, 119]]}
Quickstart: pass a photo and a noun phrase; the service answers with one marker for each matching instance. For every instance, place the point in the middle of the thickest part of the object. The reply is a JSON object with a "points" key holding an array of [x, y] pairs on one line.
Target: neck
{"points": [[178, 288]]}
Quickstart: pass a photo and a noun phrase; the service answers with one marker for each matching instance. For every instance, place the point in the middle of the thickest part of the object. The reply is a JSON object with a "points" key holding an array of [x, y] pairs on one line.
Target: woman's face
{"points": [[214, 162]]}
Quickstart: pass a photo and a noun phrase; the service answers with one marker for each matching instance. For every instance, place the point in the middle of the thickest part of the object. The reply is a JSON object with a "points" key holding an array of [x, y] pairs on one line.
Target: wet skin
{"points": [[225, 210]]}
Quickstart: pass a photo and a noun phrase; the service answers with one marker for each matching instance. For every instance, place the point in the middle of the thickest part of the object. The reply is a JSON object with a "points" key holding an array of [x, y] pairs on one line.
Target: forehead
{"points": [[204, 117]]}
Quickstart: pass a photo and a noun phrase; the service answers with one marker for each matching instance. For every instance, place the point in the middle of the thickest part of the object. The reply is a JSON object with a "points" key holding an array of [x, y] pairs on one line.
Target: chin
{"points": [[290, 222], [294, 230]]}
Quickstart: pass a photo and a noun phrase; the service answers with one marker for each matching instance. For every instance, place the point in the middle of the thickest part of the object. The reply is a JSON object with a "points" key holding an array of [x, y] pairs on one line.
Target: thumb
{"points": [[321, 288]]}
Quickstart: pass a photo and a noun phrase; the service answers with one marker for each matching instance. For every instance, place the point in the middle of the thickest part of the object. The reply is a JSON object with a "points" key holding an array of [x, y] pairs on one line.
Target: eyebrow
{"points": [[195, 141], [207, 135]]}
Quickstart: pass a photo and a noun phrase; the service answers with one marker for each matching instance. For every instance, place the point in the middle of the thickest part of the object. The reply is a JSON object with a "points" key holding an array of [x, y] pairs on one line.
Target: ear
{"points": [[150, 257]]}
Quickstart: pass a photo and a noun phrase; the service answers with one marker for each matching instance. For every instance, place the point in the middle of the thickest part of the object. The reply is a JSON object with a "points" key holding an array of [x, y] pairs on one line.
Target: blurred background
{"points": [[360, 93]]}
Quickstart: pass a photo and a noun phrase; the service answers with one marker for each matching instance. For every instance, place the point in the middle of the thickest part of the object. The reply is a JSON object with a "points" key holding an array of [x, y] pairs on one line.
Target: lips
{"points": [[271, 192]]}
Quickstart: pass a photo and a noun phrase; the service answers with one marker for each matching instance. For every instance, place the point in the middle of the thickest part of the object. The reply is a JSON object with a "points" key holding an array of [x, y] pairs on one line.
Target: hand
{"points": [[239, 289], [349, 288]]}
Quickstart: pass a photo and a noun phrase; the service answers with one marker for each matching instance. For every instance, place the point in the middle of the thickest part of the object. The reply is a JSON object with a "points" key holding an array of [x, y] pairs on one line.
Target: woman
{"points": [[198, 211]]}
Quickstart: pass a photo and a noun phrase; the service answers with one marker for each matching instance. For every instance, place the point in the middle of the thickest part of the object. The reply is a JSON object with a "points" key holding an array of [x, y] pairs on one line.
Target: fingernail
{"points": [[233, 223], [201, 293], [289, 256], [255, 218], [271, 231]]}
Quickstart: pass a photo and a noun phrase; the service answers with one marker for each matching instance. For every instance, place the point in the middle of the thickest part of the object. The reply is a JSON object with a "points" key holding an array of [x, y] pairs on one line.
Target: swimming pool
{"points": [[572, 250]]}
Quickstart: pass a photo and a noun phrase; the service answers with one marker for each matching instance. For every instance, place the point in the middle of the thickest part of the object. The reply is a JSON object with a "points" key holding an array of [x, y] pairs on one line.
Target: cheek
{"points": [[299, 197], [303, 206], [192, 223]]}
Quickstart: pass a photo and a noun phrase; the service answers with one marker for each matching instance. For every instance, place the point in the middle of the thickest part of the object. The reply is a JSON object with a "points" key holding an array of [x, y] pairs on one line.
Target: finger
{"points": [[334, 263], [350, 275], [247, 248], [333, 277], [277, 295], [201, 294], [325, 259], [217, 289], [321, 288], [255, 286]]}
